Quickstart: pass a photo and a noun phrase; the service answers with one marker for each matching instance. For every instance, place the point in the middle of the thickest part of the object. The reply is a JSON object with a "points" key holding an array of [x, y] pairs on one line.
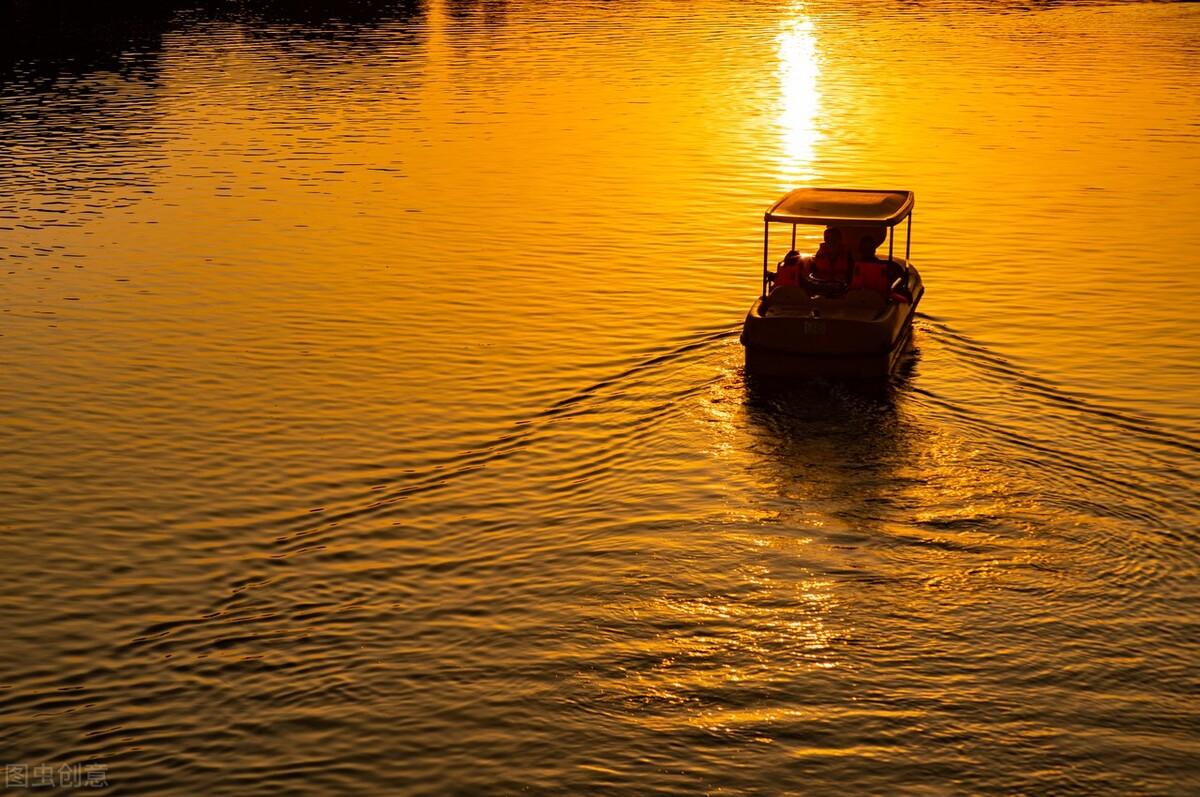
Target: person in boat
{"points": [[832, 261], [873, 274], [790, 270]]}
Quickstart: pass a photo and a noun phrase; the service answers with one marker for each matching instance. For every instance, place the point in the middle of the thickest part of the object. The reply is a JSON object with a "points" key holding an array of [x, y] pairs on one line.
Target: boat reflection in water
{"points": [[830, 441]]}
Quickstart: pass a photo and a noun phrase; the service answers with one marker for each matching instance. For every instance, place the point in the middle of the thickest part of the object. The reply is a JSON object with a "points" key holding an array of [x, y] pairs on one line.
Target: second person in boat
{"points": [[831, 263]]}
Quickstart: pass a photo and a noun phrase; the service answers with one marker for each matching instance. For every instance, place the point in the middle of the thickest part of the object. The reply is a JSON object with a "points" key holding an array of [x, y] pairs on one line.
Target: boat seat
{"points": [[789, 295], [866, 299], [788, 300]]}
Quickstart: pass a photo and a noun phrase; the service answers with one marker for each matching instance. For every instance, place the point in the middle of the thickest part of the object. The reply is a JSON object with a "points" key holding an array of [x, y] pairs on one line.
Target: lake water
{"points": [[374, 422]]}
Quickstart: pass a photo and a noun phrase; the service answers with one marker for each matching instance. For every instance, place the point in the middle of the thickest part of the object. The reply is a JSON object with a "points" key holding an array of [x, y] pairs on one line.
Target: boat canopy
{"points": [[842, 206]]}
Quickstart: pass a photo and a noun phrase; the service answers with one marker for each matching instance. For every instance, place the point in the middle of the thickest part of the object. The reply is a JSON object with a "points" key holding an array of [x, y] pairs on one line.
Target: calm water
{"points": [[373, 419]]}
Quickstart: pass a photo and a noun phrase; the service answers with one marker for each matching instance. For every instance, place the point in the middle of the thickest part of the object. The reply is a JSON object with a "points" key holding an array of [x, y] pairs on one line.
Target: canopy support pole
{"points": [[766, 230], [793, 236], [891, 243], [908, 238]]}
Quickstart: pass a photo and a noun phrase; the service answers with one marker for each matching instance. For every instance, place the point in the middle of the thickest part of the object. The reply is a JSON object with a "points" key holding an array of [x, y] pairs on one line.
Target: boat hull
{"points": [[801, 336], [763, 361]]}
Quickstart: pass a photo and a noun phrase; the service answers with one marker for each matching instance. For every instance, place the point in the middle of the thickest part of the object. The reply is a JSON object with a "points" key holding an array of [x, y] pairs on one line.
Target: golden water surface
{"points": [[373, 416]]}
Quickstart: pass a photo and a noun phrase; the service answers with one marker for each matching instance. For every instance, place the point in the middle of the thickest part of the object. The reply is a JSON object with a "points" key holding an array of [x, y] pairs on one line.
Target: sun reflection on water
{"points": [[800, 99]]}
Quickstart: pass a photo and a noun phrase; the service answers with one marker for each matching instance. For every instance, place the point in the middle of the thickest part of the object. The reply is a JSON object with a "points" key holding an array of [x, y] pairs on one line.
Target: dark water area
{"points": [[374, 419]]}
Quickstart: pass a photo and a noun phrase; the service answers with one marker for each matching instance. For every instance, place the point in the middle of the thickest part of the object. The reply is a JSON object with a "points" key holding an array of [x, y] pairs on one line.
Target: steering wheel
{"points": [[821, 287]]}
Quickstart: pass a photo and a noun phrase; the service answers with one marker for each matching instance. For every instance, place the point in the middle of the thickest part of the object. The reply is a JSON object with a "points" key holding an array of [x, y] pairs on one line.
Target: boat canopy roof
{"points": [[842, 206]]}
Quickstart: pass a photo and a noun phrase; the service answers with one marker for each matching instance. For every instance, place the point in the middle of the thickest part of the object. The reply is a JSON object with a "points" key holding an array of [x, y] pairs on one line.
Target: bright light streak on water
{"points": [[799, 73]]}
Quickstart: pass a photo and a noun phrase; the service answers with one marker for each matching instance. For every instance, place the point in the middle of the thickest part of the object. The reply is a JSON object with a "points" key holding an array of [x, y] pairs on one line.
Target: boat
{"points": [[830, 320]]}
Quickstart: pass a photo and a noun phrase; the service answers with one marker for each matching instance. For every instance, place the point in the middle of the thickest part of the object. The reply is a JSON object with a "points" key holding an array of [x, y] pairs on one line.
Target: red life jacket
{"points": [[788, 274], [871, 275], [829, 268]]}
